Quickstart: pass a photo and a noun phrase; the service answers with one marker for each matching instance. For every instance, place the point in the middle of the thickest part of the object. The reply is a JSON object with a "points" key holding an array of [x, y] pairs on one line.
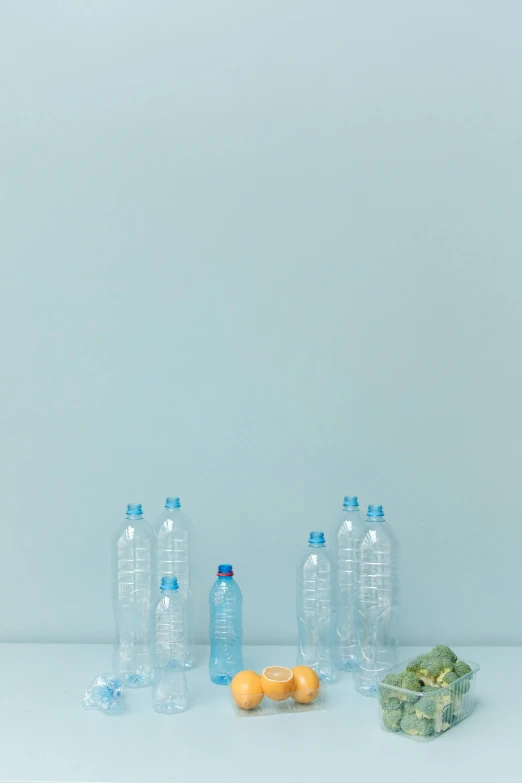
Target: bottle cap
{"points": [[172, 503], [134, 510], [350, 501], [225, 569], [375, 512], [169, 583], [316, 539]]}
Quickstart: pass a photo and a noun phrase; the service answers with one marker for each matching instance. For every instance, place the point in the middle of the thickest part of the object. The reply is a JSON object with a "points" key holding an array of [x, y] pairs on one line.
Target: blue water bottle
{"points": [[226, 627]]}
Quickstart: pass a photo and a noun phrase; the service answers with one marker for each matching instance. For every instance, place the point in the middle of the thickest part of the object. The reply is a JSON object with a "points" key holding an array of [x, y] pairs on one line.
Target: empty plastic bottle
{"points": [[175, 543], [348, 534], [226, 627], [133, 553], [169, 643], [377, 601], [316, 609]]}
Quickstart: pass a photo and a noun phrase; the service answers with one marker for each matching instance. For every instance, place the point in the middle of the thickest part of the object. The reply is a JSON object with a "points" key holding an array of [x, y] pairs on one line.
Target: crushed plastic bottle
{"points": [[104, 694]]}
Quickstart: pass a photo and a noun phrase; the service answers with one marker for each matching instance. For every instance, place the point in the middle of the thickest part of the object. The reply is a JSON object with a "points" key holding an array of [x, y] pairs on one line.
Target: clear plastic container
{"points": [[270, 707], [452, 703]]}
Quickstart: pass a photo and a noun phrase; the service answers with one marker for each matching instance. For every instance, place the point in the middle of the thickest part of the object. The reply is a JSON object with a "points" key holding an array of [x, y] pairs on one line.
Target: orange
{"points": [[246, 689], [277, 682], [306, 685]]}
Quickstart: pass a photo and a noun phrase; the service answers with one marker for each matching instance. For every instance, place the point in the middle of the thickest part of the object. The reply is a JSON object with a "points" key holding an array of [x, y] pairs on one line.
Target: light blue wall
{"points": [[261, 254]]}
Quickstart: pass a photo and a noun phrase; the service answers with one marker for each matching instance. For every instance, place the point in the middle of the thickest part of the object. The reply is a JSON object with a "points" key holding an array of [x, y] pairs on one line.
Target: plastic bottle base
{"points": [[223, 679], [137, 680], [169, 708], [369, 689], [350, 665]]}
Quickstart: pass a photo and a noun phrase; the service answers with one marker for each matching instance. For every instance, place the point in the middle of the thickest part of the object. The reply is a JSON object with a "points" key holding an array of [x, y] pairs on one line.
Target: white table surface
{"points": [[46, 735]]}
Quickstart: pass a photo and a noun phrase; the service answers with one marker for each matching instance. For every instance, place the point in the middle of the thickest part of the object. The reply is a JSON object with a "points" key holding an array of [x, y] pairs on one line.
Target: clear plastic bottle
{"points": [[133, 555], [378, 601], [169, 643], [348, 534], [175, 544], [226, 627], [316, 609]]}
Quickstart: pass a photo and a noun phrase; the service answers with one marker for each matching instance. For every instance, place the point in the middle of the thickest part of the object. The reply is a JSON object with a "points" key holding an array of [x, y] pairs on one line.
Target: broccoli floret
{"points": [[417, 727], [385, 694], [432, 706], [414, 664], [392, 719], [431, 668], [444, 651], [447, 678], [392, 679], [426, 707], [411, 683], [461, 668], [409, 707], [430, 688], [427, 669]]}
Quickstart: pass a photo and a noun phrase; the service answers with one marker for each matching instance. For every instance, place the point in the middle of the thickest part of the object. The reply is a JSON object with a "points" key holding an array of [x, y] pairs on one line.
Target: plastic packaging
{"points": [[226, 627], [104, 694], [446, 706], [316, 609], [269, 707], [174, 557], [170, 693], [377, 601], [133, 553], [348, 534]]}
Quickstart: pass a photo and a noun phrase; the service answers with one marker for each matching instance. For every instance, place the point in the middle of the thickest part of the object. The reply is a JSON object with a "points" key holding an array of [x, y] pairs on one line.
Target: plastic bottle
{"points": [[378, 601], [169, 643], [175, 543], [226, 627], [316, 609], [348, 534], [133, 554]]}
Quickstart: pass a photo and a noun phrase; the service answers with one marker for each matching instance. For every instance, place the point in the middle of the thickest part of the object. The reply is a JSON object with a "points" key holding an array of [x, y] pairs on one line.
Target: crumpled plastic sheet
{"points": [[104, 693]]}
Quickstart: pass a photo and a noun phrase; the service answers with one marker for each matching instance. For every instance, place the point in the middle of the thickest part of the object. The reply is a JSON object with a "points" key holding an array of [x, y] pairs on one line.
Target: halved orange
{"points": [[277, 682]]}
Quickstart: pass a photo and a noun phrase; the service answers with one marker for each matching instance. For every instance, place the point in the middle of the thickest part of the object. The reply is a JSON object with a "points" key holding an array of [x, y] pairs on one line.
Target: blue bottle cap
{"points": [[316, 539], [350, 501], [169, 583], [375, 512], [225, 569], [172, 503], [134, 510]]}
